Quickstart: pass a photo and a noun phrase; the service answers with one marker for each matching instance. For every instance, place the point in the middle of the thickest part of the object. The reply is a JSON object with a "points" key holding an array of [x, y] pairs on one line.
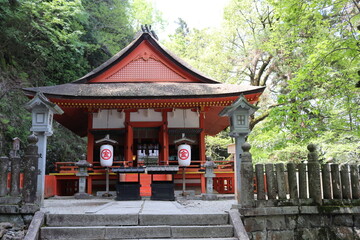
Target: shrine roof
{"points": [[143, 70], [140, 38], [143, 90]]}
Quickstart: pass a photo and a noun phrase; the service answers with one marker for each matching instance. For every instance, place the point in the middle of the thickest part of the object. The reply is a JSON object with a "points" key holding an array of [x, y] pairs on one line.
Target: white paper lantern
{"points": [[106, 155], [184, 155]]}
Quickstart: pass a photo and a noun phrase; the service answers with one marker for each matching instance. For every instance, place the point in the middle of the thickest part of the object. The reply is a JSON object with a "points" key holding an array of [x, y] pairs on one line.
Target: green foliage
{"points": [[108, 28], [307, 54], [59, 150], [143, 12], [11, 124], [319, 44], [200, 48], [216, 146], [54, 42]]}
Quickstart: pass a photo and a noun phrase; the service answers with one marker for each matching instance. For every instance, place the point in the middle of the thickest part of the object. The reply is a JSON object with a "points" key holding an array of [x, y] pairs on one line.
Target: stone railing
{"points": [[15, 202], [303, 183]]}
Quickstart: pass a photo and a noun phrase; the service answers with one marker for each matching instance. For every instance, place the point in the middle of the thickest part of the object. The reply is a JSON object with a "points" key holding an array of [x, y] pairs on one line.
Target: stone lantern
{"points": [[82, 174], [42, 111], [209, 175], [239, 113]]}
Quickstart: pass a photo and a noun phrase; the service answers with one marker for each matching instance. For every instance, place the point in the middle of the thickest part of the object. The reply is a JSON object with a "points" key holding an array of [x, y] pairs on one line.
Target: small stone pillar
{"points": [[30, 170], [314, 175], [4, 165], [15, 168], [82, 174], [246, 178], [209, 175]]}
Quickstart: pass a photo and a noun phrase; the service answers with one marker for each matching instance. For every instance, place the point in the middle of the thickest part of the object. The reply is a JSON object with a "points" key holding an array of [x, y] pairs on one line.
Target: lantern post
{"points": [[184, 156], [239, 113], [42, 112], [106, 157]]}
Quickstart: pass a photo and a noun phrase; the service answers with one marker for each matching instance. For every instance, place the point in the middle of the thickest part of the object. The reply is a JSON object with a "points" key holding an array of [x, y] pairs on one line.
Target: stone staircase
{"points": [[138, 226]]}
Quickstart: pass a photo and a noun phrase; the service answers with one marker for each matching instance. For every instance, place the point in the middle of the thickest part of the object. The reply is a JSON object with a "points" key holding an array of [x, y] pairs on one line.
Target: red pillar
{"points": [[90, 143], [202, 149], [165, 140], [129, 139], [89, 185]]}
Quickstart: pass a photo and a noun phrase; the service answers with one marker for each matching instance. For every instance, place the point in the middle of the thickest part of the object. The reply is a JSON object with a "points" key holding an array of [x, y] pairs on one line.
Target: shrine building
{"points": [[144, 98]]}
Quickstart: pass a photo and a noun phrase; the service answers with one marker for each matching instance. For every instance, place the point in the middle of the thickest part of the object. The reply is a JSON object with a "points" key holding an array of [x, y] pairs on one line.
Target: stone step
{"points": [[91, 219], [230, 238], [183, 219], [137, 232], [136, 219]]}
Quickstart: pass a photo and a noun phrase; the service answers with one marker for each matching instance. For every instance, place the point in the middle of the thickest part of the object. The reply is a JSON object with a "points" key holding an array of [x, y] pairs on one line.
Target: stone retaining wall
{"points": [[303, 222]]}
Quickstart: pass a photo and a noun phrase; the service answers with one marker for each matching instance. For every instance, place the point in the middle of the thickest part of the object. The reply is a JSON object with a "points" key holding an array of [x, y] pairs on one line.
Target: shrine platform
{"points": [[69, 205]]}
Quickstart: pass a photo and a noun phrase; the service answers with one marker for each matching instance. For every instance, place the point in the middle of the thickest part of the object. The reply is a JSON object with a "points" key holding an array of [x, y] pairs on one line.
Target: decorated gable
{"points": [[145, 63]]}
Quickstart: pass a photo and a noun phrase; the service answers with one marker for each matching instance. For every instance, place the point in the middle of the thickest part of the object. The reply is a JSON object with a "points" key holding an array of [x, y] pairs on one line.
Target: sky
{"points": [[196, 13]]}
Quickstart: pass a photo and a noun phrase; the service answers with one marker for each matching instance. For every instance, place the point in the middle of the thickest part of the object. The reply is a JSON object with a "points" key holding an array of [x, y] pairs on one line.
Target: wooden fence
{"points": [[304, 183]]}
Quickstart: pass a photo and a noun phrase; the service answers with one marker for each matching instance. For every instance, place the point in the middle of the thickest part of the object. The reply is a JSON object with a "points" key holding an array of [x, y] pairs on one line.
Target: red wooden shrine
{"points": [[144, 97]]}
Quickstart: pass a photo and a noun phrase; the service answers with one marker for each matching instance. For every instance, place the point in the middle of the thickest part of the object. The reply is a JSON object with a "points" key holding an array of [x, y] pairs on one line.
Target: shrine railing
{"points": [[299, 184], [69, 167]]}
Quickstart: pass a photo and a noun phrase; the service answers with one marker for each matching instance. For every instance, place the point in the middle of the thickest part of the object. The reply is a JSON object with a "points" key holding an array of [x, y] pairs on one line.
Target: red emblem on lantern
{"points": [[183, 154], [106, 154]]}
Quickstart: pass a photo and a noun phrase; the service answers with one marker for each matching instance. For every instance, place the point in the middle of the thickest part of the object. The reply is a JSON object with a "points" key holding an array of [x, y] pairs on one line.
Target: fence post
{"points": [[345, 181], [246, 177], [15, 176], [336, 182], [326, 178], [4, 165], [314, 175], [280, 177], [259, 169], [293, 186], [270, 181], [355, 186], [303, 183], [30, 170]]}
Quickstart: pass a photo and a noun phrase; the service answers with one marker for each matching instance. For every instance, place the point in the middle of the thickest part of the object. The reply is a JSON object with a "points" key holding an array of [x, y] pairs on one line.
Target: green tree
{"points": [[319, 43], [53, 42], [306, 53], [143, 12], [316, 44], [108, 30]]}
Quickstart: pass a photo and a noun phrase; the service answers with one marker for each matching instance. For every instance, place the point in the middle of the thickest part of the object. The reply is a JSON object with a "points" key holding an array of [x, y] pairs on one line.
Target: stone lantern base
{"points": [[82, 196], [209, 196]]}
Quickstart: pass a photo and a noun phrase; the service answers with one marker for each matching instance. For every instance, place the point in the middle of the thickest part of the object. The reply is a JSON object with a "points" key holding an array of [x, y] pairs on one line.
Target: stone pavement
{"points": [[69, 205]]}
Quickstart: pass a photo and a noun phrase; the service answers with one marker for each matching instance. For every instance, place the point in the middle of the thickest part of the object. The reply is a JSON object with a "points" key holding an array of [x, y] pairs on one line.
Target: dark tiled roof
{"points": [[144, 90]]}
